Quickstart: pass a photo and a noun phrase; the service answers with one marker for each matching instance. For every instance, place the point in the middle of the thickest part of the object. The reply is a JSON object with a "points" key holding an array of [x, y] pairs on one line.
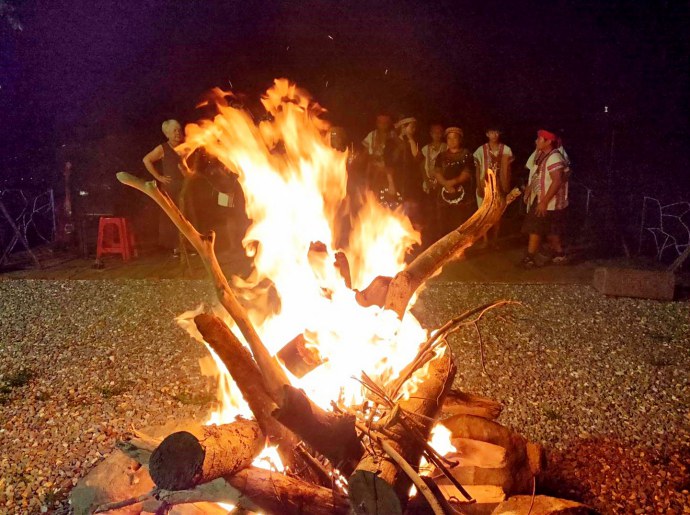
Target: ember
{"points": [[353, 429]]}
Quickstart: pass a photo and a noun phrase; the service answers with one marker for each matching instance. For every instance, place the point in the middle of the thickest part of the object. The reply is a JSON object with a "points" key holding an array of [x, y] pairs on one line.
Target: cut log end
{"points": [[177, 461], [185, 459]]}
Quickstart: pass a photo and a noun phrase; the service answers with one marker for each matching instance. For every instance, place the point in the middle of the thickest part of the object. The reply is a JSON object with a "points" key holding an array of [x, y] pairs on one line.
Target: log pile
{"points": [[363, 459]]}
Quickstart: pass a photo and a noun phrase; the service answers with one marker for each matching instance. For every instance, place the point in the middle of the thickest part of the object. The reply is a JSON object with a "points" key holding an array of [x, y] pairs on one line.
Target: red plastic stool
{"points": [[115, 236]]}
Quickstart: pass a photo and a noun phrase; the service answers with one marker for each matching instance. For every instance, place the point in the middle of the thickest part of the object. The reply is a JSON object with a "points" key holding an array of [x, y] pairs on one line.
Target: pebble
{"points": [[602, 383]]}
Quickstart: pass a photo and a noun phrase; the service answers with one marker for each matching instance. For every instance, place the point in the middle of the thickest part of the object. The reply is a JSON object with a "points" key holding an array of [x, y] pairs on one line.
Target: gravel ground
{"points": [[602, 383]]}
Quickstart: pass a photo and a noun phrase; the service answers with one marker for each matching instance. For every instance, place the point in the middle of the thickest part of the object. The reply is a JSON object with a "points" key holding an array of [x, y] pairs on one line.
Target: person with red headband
{"points": [[546, 197]]}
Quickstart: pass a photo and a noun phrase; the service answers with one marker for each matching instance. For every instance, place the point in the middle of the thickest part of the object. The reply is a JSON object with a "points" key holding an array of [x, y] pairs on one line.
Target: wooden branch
{"points": [[379, 486], [260, 490], [125, 503], [246, 374], [273, 374], [330, 434], [461, 403], [184, 460], [426, 350], [448, 248]]}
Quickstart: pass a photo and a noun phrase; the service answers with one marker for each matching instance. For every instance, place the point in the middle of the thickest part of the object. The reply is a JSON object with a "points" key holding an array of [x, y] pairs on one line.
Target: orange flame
{"points": [[295, 185]]}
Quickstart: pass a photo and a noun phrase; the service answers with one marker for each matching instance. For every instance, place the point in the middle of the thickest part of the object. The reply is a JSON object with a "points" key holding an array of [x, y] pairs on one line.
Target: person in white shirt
{"points": [[377, 176], [430, 152], [546, 197], [498, 157]]}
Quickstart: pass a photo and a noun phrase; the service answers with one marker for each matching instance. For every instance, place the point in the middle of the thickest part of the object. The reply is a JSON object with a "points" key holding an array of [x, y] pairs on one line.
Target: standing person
{"points": [[170, 178], [454, 172], [546, 197], [498, 157], [378, 177], [430, 152], [403, 158]]}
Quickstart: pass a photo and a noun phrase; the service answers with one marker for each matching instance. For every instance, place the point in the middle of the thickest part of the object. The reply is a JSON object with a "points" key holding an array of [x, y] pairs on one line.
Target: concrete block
{"points": [[630, 282]]}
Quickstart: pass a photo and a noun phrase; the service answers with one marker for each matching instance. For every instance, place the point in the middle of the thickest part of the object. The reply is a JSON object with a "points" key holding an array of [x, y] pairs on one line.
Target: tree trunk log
{"points": [[523, 459], [184, 460], [461, 403], [330, 434], [256, 489], [448, 248], [378, 486], [249, 380], [273, 373]]}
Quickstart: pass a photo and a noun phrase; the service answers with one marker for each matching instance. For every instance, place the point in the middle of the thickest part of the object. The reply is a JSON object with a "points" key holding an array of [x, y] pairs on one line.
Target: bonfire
{"points": [[334, 397]]}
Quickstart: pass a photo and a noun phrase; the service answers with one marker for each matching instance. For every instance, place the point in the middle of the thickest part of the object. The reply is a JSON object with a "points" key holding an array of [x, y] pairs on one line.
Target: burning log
{"points": [[299, 358], [491, 454], [342, 264], [249, 380], [461, 403], [184, 460], [379, 485], [273, 374], [375, 293], [448, 248], [256, 489], [331, 434]]}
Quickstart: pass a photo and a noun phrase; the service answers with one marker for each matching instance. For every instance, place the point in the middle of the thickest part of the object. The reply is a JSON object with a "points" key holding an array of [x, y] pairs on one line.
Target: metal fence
{"points": [[27, 219]]}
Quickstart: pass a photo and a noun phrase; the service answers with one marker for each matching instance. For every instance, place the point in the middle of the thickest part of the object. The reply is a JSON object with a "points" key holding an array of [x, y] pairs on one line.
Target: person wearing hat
{"points": [[546, 197], [454, 172], [496, 156], [403, 158]]}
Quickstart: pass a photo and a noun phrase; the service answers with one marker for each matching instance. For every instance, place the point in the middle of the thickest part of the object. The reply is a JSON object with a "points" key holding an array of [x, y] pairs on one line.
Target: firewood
{"points": [[375, 293], [461, 403], [274, 375], [378, 485], [331, 434], [249, 380], [256, 489], [299, 358], [448, 248], [523, 460], [184, 460], [342, 264], [475, 453]]}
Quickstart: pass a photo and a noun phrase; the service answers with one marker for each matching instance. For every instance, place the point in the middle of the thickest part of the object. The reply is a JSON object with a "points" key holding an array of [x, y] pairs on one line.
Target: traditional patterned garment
{"points": [[375, 144], [541, 167], [485, 158], [430, 154]]}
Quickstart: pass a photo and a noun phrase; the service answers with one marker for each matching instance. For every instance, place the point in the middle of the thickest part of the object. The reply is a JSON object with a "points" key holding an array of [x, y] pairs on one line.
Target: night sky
{"points": [[80, 71]]}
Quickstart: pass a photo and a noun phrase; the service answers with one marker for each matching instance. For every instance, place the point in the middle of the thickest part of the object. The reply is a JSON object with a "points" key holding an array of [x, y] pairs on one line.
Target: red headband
{"points": [[547, 135]]}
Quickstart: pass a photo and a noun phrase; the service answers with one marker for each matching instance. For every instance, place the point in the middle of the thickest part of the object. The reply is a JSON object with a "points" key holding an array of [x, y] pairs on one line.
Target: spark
{"points": [[330, 37]]}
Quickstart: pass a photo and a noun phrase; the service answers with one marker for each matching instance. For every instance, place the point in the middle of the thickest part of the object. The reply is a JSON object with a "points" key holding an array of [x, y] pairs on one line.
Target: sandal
{"points": [[560, 259], [528, 262]]}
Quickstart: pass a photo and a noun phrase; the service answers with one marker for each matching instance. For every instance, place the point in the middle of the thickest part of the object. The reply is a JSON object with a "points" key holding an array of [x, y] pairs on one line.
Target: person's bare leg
{"points": [[533, 243], [555, 243]]}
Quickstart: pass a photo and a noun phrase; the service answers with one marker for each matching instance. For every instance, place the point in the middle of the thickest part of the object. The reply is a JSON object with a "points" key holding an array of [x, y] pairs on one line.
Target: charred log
{"points": [[184, 460], [331, 434], [256, 489]]}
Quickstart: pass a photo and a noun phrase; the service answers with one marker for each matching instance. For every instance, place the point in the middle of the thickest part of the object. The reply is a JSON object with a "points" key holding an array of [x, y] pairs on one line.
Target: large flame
{"points": [[295, 187]]}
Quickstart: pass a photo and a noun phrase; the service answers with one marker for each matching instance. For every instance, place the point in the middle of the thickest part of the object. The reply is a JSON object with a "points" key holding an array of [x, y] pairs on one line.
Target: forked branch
{"points": [[273, 374]]}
